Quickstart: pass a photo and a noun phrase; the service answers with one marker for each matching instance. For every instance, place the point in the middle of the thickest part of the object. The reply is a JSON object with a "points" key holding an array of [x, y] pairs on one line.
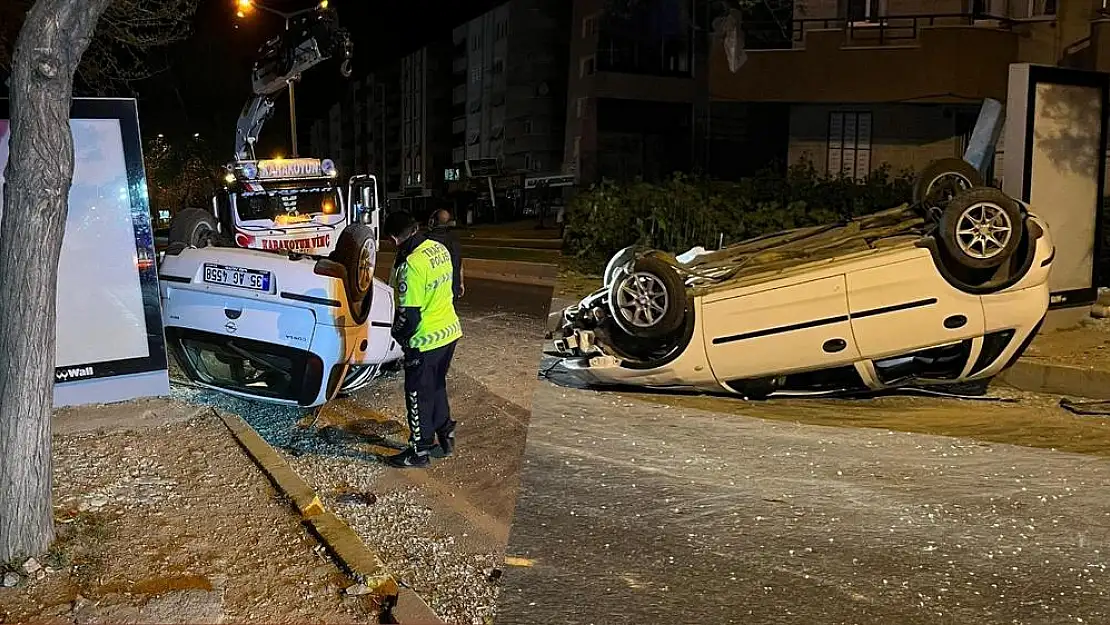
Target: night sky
{"points": [[207, 78]]}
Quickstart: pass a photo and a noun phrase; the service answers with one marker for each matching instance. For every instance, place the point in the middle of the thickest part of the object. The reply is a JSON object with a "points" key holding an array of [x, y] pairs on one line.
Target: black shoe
{"points": [[446, 438], [409, 459]]}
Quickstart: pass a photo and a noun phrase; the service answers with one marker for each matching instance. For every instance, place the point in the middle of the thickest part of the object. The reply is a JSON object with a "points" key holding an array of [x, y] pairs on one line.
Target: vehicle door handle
{"points": [[955, 321], [833, 346]]}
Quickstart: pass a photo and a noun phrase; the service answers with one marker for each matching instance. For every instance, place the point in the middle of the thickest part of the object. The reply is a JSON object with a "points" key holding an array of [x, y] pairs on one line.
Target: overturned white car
{"points": [[948, 291], [275, 325]]}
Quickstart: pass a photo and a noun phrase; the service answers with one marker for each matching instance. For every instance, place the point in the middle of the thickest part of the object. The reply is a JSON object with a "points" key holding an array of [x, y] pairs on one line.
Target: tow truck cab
{"points": [[291, 205]]}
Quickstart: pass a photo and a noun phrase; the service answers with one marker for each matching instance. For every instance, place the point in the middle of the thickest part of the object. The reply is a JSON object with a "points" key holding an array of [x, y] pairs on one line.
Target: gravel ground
{"points": [[163, 519], [442, 531]]}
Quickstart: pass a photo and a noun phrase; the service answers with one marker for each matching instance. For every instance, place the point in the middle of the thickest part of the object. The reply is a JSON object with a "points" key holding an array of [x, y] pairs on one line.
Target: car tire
{"points": [[619, 260], [941, 180], [355, 251], [981, 228], [649, 302], [357, 378], [194, 227]]}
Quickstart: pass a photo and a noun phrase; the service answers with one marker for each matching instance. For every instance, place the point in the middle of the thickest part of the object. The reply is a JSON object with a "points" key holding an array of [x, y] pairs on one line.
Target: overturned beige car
{"points": [[946, 292]]}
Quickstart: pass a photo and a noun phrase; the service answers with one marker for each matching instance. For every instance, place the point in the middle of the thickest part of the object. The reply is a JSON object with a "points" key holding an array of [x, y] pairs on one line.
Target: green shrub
{"points": [[684, 212]]}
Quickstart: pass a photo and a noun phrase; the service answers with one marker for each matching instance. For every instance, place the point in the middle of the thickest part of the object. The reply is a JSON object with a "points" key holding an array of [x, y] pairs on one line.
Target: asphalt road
{"points": [[634, 512]]}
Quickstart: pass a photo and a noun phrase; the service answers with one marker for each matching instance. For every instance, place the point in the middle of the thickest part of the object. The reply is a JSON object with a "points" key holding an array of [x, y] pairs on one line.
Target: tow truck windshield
{"points": [[287, 205]]}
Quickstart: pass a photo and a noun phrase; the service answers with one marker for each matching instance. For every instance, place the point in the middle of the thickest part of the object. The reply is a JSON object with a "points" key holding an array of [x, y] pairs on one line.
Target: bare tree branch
{"points": [[126, 34]]}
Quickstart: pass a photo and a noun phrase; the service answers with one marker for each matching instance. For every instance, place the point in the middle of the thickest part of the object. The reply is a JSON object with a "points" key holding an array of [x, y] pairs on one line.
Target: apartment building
{"points": [[509, 90], [360, 131], [633, 90], [425, 126], [900, 82]]}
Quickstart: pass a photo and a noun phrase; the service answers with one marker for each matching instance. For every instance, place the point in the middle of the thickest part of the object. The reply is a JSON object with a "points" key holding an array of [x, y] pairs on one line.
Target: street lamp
{"points": [[243, 7]]}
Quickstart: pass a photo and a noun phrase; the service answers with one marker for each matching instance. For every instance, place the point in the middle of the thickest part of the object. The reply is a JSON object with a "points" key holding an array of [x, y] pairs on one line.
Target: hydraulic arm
{"points": [[307, 41]]}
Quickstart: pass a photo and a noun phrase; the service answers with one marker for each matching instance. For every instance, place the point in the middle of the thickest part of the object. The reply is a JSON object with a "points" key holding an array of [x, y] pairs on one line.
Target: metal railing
{"points": [[881, 30]]}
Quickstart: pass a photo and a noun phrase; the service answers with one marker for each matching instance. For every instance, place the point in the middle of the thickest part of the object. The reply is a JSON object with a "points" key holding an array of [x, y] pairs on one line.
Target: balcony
{"points": [[458, 66], [458, 95], [922, 58], [458, 126]]}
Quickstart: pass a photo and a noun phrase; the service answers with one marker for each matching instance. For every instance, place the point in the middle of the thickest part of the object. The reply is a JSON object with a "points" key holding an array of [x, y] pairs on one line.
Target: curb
{"points": [[363, 565], [1054, 379]]}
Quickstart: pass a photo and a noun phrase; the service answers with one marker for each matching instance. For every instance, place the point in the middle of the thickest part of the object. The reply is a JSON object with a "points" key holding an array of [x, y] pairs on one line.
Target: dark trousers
{"points": [[426, 394]]}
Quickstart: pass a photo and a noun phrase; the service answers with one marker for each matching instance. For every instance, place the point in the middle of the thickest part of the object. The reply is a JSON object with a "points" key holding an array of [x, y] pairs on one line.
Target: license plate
{"points": [[237, 277]]}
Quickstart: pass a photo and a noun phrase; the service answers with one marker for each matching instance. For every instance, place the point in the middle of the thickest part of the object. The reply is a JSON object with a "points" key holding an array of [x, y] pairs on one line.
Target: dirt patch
{"points": [[575, 285], [172, 523], [1086, 346]]}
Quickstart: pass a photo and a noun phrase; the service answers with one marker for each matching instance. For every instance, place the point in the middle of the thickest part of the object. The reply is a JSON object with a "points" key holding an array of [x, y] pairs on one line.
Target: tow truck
{"points": [[270, 295]]}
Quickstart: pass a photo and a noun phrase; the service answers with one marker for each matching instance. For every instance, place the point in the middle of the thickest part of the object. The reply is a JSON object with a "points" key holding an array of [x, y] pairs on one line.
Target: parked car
{"points": [[946, 292]]}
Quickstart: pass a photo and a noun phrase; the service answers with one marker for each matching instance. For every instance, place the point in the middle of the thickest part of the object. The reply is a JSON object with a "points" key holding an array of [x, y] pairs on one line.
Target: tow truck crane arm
{"points": [[308, 41]]}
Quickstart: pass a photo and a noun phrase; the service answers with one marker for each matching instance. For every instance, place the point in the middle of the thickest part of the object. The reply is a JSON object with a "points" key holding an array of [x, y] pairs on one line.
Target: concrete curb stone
{"points": [[365, 566], [1040, 377]]}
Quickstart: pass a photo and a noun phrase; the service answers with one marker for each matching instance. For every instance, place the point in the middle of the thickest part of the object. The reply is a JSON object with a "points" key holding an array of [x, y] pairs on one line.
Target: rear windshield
{"points": [[286, 204], [237, 368]]}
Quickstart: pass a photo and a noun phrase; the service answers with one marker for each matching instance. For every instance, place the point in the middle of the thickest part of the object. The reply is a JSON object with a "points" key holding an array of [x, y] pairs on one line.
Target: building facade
{"points": [[425, 126], [632, 90], [509, 87], [900, 82]]}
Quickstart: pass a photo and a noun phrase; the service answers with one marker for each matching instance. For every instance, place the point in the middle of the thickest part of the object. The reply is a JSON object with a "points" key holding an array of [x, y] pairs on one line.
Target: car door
{"points": [[906, 305], [779, 329]]}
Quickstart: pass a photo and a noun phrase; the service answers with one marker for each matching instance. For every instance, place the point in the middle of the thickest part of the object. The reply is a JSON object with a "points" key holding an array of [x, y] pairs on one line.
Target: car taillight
{"points": [[243, 240]]}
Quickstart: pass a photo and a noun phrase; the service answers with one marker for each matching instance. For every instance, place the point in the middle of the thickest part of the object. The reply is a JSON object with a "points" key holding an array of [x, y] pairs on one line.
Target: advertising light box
{"points": [[110, 343]]}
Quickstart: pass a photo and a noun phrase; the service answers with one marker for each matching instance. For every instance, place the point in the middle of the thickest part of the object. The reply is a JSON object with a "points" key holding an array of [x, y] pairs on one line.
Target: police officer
{"points": [[439, 230], [427, 328]]}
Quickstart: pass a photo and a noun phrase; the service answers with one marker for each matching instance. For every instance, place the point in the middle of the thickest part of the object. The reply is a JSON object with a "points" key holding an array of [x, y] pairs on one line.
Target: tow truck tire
{"points": [[355, 251], [650, 301], [981, 228], [194, 227]]}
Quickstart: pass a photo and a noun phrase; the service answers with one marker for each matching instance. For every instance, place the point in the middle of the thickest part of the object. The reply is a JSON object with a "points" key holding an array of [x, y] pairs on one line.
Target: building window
{"points": [[580, 106], [577, 149], [527, 127], [849, 151], [589, 26], [476, 42], [586, 66], [498, 66], [476, 74], [864, 10]]}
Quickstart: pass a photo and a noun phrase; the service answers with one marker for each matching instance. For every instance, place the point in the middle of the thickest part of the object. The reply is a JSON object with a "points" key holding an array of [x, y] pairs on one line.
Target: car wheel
{"points": [[650, 300], [981, 228], [358, 376], [944, 179], [355, 251], [193, 227]]}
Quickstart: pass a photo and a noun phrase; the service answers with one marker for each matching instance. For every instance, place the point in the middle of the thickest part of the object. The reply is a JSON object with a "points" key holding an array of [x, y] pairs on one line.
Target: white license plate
{"points": [[237, 277]]}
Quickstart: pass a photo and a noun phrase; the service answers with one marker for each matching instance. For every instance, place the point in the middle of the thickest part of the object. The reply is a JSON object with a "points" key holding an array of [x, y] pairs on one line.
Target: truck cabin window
{"points": [[287, 204]]}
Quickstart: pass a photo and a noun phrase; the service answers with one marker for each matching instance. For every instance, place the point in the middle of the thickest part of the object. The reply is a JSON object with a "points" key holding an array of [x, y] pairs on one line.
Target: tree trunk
{"points": [[32, 225]]}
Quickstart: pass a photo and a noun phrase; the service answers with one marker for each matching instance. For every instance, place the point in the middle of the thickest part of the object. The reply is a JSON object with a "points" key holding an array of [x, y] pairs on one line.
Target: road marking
{"points": [[518, 561]]}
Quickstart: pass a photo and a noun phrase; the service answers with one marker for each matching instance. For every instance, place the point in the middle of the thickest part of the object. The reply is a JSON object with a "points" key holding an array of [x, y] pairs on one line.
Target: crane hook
{"points": [[345, 68]]}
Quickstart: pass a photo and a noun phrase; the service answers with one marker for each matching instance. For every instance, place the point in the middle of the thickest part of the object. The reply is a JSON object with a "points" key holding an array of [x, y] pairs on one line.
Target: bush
{"points": [[684, 212]]}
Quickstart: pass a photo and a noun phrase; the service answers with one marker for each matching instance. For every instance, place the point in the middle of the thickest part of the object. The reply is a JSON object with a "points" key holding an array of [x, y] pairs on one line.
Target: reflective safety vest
{"points": [[423, 280]]}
